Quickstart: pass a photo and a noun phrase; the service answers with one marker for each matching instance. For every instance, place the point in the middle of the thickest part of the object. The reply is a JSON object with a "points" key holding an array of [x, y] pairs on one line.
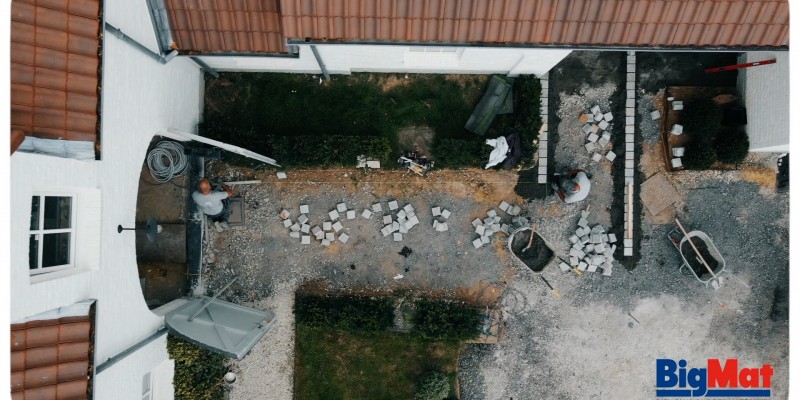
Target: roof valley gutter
{"points": [[127, 39], [130, 350]]}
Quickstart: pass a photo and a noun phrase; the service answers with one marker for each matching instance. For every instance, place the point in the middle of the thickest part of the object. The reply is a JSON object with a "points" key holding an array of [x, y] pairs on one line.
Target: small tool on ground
{"points": [[552, 289], [574, 269], [530, 240], [634, 318]]}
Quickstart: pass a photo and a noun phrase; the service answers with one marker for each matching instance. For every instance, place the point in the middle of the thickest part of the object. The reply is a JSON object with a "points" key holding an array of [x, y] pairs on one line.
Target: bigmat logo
{"points": [[673, 379]]}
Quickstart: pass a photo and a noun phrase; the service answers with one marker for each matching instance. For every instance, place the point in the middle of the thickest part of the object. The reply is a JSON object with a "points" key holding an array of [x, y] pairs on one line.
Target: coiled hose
{"points": [[166, 161]]}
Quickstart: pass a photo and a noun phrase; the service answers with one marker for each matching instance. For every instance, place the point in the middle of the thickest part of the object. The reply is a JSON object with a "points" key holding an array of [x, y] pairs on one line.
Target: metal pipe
{"points": [[130, 350], [205, 66], [212, 299], [142, 48], [320, 62]]}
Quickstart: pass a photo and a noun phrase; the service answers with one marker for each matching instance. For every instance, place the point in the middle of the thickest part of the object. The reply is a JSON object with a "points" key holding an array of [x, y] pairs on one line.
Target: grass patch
{"points": [[334, 364]]}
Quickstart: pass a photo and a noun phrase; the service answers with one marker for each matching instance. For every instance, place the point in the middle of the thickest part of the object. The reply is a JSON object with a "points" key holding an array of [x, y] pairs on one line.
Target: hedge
{"points": [[451, 153], [444, 320], [198, 372], [732, 145], [346, 313], [433, 386]]}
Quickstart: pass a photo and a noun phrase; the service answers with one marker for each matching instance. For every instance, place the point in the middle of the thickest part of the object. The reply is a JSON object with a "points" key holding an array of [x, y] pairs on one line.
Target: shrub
{"points": [[702, 119], [433, 386], [732, 145], [700, 154], [443, 320], [346, 313], [451, 153], [198, 372]]}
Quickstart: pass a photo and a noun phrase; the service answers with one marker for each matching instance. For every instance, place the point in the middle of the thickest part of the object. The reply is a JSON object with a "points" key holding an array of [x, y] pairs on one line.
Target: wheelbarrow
{"points": [[681, 243]]}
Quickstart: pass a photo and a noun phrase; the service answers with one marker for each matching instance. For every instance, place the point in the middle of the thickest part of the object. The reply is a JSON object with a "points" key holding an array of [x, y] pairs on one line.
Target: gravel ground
{"points": [[583, 344]]}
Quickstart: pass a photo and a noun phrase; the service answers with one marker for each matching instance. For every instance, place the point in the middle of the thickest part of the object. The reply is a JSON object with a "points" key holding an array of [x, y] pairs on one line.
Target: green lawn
{"points": [[331, 364]]}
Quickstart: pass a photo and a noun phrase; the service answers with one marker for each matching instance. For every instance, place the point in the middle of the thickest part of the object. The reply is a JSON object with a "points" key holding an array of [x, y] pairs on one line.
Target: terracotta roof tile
{"points": [[54, 68], [650, 23], [51, 359], [239, 26]]}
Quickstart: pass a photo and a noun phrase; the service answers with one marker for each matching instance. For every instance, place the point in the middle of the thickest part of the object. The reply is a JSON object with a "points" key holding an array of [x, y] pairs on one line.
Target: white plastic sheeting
{"points": [[499, 153]]}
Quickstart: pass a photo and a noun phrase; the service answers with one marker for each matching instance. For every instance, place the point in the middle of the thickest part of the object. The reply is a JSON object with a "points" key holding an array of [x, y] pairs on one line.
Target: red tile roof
{"points": [[51, 359], [238, 26], [647, 23], [55, 61]]}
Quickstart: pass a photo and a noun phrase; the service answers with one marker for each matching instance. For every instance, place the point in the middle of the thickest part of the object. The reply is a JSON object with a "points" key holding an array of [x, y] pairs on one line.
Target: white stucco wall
{"points": [[139, 98], [345, 59], [765, 90], [124, 380]]}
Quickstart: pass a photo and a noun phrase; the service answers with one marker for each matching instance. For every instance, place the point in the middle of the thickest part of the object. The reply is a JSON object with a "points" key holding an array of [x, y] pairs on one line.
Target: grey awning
{"points": [[222, 327]]}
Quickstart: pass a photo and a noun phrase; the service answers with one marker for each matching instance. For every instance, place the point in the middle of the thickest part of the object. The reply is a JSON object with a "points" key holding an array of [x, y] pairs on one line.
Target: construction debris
{"points": [[591, 248]]}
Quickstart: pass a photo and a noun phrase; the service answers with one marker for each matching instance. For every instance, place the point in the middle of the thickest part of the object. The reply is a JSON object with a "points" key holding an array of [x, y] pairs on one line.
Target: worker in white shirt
{"points": [[572, 186]]}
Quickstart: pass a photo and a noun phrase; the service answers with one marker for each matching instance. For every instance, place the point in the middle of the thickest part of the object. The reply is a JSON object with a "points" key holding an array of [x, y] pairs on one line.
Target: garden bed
{"points": [[302, 121]]}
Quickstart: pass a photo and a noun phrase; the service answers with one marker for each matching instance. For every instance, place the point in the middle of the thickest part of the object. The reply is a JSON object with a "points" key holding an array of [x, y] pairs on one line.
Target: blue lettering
{"points": [[698, 381], [666, 376]]}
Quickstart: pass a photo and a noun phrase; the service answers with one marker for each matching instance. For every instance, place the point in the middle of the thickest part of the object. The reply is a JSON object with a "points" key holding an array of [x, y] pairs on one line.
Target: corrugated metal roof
{"points": [[51, 359], [54, 68], [649, 23], [238, 26]]}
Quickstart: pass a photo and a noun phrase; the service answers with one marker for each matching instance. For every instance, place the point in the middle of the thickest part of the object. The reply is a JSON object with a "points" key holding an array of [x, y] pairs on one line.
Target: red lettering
{"points": [[766, 376], [723, 377], [748, 378]]}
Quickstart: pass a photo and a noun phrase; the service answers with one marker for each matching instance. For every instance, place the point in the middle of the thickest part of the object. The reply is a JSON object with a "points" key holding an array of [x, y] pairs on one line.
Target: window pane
{"points": [[146, 384], [33, 253], [57, 212], [56, 249], [35, 212]]}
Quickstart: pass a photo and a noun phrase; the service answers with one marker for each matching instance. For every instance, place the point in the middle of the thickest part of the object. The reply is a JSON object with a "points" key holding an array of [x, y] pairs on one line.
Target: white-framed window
{"points": [[433, 49], [433, 57], [52, 232], [147, 387]]}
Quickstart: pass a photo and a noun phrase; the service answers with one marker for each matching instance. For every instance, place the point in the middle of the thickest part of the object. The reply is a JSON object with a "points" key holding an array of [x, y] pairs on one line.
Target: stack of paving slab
{"points": [[398, 221], [542, 152], [440, 216], [630, 160], [493, 223], [597, 128], [592, 248]]}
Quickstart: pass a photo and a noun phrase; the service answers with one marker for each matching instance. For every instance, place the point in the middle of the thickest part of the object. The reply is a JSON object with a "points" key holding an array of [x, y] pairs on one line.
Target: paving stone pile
{"points": [[597, 129], [493, 223], [592, 248]]}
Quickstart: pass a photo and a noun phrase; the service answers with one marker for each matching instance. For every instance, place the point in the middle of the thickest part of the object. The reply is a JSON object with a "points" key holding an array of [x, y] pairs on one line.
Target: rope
{"points": [[166, 161]]}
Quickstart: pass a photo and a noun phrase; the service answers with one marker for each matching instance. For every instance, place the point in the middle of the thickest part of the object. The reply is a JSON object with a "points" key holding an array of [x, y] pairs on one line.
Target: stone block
{"points": [[327, 225], [445, 213], [677, 129], [630, 94], [595, 109], [629, 129], [387, 219], [595, 238], [442, 227], [629, 172], [491, 213], [476, 222], [402, 228], [602, 142], [503, 206], [386, 230], [281, 175], [629, 121], [582, 266], [606, 136], [573, 261], [285, 214], [305, 228], [305, 239], [630, 112], [541, 179], [677, 107], [397, 237], [591, 268], [401, 214], [582, 222], [542, 169], [294, 235], [630, 68], [612, 238], [334, 215], [436, 211], [627, 242], [628, 252], [505, 228], [395, 226], [628, 146], [592, 137], [630, 85], [628, 138], [408, 208], [603, 125], [589, 147], [629, 155], [630, 77], [295, 227], [611, 156], [655, 114], [630, 103], [320, 235], [302, 219], [485, 239], [595, 128], [573, 239], [367, 214], [542, 150], [351, 214], [629, 164], [326, 242], [480, 229], [515, 210], [287, 223], [337, 226], [599, 248], [564, 267], [413, 220], [477, 243], [377, 207], [304, 209], [586, 128], [631, 59], [341, 207], [574, 252], [585, 118], [393, 205]]}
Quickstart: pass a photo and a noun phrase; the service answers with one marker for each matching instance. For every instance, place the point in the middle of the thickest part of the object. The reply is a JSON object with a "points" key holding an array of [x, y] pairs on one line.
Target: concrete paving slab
{"points": [[657, 193]]}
